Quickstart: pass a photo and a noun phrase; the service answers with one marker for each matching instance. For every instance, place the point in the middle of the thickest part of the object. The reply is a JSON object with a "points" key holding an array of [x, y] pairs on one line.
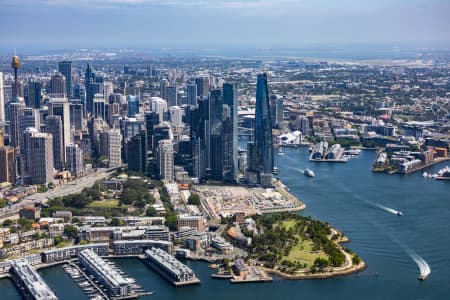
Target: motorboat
{"points": [[308, 172]]}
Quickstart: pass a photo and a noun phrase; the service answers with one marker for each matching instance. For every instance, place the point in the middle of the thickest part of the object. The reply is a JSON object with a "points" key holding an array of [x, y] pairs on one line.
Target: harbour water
{"points": [[355, 201]]}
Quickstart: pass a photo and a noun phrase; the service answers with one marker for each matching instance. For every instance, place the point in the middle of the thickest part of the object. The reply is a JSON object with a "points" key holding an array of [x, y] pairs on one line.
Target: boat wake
{"points": [[385, 208], [424, 268]]}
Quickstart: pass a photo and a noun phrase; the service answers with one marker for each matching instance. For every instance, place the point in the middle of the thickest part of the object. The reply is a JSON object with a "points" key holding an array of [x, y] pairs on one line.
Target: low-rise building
{"points": [[197, 222], [61, 254], [138, 247]]}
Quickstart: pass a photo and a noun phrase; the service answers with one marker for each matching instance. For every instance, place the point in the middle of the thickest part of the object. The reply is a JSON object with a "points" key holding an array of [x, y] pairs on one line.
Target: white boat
{"points": [[275, 171], [425, 174], [308, 172], [280, 150]]}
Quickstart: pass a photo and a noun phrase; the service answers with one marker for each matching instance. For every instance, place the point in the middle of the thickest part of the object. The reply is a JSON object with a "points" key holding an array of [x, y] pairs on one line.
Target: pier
{"points": [[107, 274], [170, 268], [29, 282]]}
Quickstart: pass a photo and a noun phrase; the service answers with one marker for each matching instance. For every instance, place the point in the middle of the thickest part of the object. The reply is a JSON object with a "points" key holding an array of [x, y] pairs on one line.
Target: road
{"points": [[72, 187]]}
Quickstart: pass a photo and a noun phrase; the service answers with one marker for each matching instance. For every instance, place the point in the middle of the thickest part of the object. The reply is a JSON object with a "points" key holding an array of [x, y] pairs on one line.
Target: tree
{"points": [[71, 231], [7, 223], [194, 199], [172, 221], [151, 212], [117, 222], [2, 203], [356, 260], [25, 224]]}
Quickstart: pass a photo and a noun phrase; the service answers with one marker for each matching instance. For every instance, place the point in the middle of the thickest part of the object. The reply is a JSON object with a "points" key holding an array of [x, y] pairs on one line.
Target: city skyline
{"points": [[222, 24]]}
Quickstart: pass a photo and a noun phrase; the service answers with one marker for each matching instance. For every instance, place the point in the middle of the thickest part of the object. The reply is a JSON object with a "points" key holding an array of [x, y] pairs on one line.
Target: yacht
{"points": [[308, 172]]}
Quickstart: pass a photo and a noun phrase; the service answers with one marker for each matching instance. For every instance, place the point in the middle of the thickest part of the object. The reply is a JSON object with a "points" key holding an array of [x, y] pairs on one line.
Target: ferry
{"points": [[308, 173]]}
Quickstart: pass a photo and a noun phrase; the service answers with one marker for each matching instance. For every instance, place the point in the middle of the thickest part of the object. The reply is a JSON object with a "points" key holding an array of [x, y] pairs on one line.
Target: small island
{"points": [[297, 247]]}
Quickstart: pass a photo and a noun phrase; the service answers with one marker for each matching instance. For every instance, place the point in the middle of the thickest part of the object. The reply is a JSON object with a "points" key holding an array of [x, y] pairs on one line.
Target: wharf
{"points": [[340, 160], [250, 280], [166, 276]]}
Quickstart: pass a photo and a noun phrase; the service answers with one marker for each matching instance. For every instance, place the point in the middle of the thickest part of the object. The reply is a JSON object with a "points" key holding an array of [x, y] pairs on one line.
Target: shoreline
{"points": [[325, 275]]}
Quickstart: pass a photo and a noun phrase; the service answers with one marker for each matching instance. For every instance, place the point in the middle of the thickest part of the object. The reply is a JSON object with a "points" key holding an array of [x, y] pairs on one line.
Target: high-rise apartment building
{"points": [[165, 160], [75, 160], [114, 148]]}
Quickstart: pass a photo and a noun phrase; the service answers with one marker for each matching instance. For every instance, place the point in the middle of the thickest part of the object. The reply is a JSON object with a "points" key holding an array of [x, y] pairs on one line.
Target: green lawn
{"points": [[112, 203], [302, 252]]}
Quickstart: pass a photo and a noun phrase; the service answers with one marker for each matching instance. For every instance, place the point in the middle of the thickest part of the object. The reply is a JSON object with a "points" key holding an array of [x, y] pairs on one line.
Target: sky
{"points": [[220, 23]]}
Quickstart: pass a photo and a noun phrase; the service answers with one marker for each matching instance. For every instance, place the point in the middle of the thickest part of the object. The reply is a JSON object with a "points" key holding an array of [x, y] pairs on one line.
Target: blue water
{"points": [[345, 195]]}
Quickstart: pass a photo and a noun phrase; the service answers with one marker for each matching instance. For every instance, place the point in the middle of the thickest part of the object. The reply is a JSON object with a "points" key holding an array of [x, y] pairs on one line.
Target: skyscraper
{"points": [[65, 68], [261, 151], [41, 159], [58, 86], [99, 107], [76, 114], [7, 165], [34, 94], [159, 106], [192, 94], [53, 125], [60, 107], [137, 153], [88, 81], [15, 111], [2, 102], [163, 88], [75, 160], [165, 160], [172, 96], [112, 143], [133, 105], [151, 120], [202, 84], [176, 116], [230, 127]]}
